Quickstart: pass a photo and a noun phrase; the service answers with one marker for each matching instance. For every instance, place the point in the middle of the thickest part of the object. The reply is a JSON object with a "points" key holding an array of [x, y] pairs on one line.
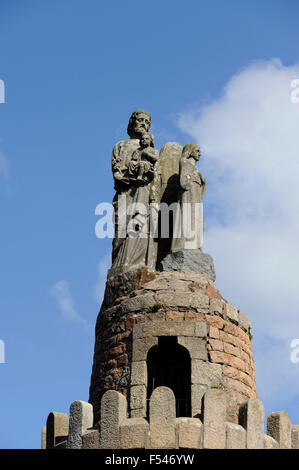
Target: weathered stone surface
{"points": [[137, 331], [198, 316], [138, 398], [235, 340], [181, 286], [142, 346], [142, 302], [57, 428], [189, 300], [162, 419], [113, 413], [170, 155], [252, 418], [189, 260], [236, 385], [169, 329], [91, 439], [214, 333], [270, 443], [279, 427], [133, 433], [229, 359], [44, 437], [238, 375], [205, 373], [233, 350], [216, 345], [216, 321], [295, 436], [216, 306], [81, 418], [174, 316], [214, 434], [197, 347], [120, 284], [156, 285], [197, 393], [231, 312], [244, 321], [189, 433], [198, 280], [235, 436], [138, 413], [201, 329], [213, 293], [139, 373]]}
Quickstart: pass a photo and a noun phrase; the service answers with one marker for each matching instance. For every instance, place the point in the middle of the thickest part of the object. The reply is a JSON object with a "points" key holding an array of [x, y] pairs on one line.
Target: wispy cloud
{"points": [[4, 166], [61, 291], [250, 145]]}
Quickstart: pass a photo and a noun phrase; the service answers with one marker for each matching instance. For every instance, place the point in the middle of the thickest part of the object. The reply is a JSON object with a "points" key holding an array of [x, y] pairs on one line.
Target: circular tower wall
{"points": [[142, 310]]}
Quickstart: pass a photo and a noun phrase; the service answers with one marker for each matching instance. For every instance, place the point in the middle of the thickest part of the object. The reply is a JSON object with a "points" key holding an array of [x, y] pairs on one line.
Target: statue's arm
{"points": [[203, 184], [185, 178], [115, 159], [153, 155], [117, 165]]}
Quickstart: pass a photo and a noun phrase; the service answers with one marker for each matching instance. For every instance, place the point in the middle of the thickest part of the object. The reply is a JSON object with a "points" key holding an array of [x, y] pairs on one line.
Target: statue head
{"points": [[191, 150], [147, 140], [140, 122]]}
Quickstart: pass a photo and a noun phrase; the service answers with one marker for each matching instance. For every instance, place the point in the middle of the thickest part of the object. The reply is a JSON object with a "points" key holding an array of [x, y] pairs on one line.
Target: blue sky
{"points": [[74, 71]]}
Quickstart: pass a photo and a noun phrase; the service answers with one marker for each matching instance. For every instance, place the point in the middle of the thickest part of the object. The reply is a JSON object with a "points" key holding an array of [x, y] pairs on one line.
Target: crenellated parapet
{"points": [[163, 430]]}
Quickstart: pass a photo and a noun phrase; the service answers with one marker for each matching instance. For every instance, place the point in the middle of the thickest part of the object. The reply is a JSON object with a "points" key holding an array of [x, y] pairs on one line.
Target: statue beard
{"points": [[138, 131]]}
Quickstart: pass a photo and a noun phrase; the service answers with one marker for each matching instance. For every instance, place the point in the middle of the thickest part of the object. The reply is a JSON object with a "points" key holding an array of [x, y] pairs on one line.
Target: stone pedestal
{"points": [[189, 260], [140, 308]]}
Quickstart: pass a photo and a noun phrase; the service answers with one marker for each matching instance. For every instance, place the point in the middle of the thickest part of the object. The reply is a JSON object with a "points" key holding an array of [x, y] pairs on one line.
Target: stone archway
{"points": [[169, 365]]}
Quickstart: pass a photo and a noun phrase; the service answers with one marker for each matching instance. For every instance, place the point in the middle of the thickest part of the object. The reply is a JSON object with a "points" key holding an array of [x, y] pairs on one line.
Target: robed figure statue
{"points": [[188, 223], [137, 176]]}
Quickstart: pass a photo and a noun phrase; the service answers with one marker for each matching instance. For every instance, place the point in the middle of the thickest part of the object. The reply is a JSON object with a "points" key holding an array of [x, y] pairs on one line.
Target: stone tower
{"points": [[171, 329], [173, 364]]}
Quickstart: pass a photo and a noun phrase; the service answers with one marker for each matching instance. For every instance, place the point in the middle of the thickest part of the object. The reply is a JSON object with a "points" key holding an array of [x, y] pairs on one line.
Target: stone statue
{"points": [[139, 123], [185, 253], [142, 164], [136, 174], [144, 181], [188, 225]]}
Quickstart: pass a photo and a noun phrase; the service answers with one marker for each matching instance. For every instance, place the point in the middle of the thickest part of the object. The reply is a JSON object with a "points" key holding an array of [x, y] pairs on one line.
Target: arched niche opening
{"points": [[169, 365]]}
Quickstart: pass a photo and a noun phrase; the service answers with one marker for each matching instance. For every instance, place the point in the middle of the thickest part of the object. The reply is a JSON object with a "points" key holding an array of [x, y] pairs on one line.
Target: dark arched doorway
{"points": [[169, 364]]}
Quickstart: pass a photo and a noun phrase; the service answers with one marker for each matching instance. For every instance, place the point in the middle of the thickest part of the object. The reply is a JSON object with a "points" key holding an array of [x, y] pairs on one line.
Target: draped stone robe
{"points": [[131, 203], [188, 225]]}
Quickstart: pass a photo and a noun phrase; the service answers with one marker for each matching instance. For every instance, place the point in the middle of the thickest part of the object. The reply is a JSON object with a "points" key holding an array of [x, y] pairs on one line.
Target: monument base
{"points": [[189, 260], [153, 320]]}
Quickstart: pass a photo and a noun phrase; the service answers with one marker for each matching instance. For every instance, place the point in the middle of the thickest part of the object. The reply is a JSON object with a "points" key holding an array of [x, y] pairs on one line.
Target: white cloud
{"points": [[61, 291], [250, 156], [4, 166], [102, 268]]}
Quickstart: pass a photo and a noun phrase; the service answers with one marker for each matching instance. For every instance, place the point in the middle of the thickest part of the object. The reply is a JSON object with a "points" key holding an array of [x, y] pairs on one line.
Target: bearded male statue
{"points": [[132, 245]]}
